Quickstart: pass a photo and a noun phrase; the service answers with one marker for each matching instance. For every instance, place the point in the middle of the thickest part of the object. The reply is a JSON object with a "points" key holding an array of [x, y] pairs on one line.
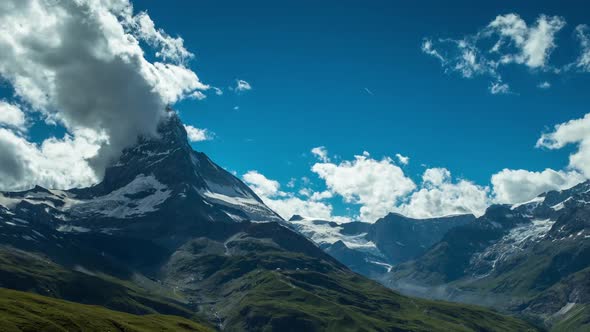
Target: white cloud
{"points": [[436, 176], [287, 204], [514, 42], [196, 134], [56, 163], [428, 48], [321, 153], [439, 196], [242, 86], [12, 116], [80, 64], [575, 131], [499, 88], [583, 34], [462, 56], [375, 185], [321, 195], [291, 183], [169, 48], [261, 185], [198, 95], [517, 186], [402, 159], [534, 44], [544, 85], [290, 206]]}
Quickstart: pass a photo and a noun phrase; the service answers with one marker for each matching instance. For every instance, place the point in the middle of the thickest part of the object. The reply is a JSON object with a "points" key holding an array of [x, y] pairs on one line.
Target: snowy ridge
{"points": [[137, 198], [322, 232], [249, 205], [530, 204], [513, 243]]}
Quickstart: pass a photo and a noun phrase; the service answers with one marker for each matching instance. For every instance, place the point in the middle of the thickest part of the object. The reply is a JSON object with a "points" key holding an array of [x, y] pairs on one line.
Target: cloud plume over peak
{"points": [[80, 64]]}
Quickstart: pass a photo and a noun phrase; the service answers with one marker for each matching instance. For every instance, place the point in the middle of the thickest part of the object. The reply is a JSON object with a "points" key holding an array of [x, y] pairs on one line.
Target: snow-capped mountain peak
{"points": [[152, 183]]}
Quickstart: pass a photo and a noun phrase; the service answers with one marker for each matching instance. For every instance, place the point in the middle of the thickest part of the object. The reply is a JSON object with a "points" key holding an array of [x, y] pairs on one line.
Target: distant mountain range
{"points": [[169, 232], [373, 249], [530, 259]]}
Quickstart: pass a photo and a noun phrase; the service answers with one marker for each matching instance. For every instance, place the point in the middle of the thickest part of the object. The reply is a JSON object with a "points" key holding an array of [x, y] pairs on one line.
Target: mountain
{"points": [[372, 249], [531, 258], [168, 231]]}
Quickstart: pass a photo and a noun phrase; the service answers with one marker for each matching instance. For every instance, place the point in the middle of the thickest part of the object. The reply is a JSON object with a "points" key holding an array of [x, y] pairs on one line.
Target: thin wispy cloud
{"points": [[241, 86], [513, 42]]}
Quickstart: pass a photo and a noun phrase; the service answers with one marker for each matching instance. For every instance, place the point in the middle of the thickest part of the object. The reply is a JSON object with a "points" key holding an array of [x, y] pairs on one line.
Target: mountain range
{"points": [[372, 249], [171, 236], [530, 259]]}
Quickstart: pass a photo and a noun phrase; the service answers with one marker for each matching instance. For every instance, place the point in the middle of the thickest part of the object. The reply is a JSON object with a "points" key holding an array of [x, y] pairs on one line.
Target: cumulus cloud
{"points": [[376, 185], [12, 116], [533, 44], [402, 159], [80, 64], [513, 40], [544, 85], [436, 176], [261, 185], [196, 134], [242, 86], [287, 204], [577, 132], [517, 186], [321, 153], [24, 164], [440, 196]]}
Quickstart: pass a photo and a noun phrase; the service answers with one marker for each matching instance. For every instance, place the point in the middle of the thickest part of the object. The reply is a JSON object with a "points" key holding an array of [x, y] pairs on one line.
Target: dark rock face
{"points": [[513, 253], [401, 238]]}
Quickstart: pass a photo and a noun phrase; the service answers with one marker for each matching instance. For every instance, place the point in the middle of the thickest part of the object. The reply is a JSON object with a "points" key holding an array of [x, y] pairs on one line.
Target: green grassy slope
{"points": [[335, 301], [247, 283], [20, 311], [34, 273], [576, 320], [272, 289]]}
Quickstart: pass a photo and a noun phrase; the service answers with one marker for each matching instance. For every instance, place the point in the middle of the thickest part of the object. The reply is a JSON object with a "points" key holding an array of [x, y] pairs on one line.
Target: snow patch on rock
{"points": [[141, 196]]}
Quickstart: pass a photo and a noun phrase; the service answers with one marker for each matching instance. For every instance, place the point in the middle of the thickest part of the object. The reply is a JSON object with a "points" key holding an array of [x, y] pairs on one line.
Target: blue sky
{"points": [[309, 65], [352, 76]]}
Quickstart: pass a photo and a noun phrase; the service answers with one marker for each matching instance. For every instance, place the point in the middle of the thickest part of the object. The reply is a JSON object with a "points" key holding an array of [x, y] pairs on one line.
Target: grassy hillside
{"points": [[334, 301], [576, 320], [263, 279], [20, 311], [32, 272], [251, 283]]}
